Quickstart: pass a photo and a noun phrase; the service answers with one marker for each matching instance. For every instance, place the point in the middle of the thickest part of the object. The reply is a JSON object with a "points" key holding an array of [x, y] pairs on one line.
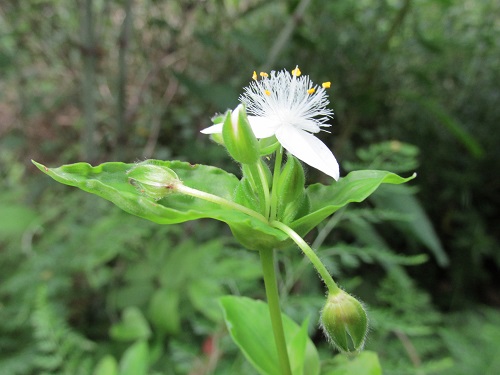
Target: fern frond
{"points": [[60, 349]]}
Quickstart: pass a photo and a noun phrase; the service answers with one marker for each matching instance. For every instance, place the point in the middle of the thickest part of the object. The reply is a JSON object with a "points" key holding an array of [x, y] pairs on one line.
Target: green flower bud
{"points": [[245, 195], [343, 316], [239, 138], [291, 191], [154, 181]]}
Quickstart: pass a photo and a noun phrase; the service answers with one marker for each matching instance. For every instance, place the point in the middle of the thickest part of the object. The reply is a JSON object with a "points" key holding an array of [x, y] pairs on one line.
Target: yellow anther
{"points": [[264, 74], [296, 72], [267, 92], [254, 75], [326, 85], [311, 91]]}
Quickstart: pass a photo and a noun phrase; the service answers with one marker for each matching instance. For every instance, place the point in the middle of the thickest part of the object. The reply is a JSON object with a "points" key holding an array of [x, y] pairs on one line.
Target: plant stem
{"points": [[183, 189], [306, 249], [267, 261]]}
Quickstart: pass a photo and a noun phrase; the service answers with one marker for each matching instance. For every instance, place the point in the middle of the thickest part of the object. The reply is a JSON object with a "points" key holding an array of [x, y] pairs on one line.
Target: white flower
{"points": [[290, 107]]}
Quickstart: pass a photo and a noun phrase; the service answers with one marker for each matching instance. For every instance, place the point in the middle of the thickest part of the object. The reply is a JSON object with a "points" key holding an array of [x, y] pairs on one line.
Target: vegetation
{"points": [[414, 88]]}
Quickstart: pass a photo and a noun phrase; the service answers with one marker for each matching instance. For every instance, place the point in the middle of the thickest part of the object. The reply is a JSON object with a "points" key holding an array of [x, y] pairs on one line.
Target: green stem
{"points": [[183, 189], [276, 175], [306, 249], [267, 261]]}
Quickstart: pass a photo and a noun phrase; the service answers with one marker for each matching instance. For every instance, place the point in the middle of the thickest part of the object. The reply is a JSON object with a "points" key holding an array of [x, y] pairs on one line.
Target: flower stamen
{"points": [[296, 72]]}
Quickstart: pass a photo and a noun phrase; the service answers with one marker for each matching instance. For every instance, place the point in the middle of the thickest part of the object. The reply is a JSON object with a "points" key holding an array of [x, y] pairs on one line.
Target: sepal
{"points": [[344, 322], [239, 138]]}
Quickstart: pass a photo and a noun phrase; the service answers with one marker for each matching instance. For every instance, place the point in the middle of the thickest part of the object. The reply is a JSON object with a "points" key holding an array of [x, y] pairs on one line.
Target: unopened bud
{"points": [[290, 190], [154, 181], [344, 317], [239, 138]]}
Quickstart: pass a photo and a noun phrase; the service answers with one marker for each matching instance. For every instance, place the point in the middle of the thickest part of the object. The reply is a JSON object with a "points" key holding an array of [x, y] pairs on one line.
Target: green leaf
{"points": [[106, 366], [135, 360], [454, 126], [14, 219], [110, 181], [355, 187], [400, 199], [203, 295], [297, 350], [164, 311], [132, 327], [365, 363], [249, 324]]}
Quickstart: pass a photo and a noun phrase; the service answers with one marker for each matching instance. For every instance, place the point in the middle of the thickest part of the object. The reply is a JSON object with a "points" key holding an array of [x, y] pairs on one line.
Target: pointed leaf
{"points": [[401, 199], [133, 326], [300, 359], [454, 126], [365, 363], [250, 327], [135, 360], [106, 366], [110, 181], [164, 311], [355, 187]]}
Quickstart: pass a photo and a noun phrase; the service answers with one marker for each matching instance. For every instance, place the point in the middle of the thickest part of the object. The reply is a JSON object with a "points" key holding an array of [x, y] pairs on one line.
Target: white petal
{"points": [[262, 127], [236, 113], [217, 128], [309, 149], [308, 125]]}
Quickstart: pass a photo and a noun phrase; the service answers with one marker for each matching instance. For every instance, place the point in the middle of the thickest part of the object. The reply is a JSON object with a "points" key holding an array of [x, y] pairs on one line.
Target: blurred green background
{"points": [[415, 87]]}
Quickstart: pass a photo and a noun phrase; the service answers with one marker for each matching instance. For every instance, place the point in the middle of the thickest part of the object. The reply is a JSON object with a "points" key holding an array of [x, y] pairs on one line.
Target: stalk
{"points": [[183, 189], [267, 261], [306, 249]]}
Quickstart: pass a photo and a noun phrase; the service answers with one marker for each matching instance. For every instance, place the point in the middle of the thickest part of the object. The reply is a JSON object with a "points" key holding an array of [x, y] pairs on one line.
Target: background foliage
{"points": [[415, 88]]}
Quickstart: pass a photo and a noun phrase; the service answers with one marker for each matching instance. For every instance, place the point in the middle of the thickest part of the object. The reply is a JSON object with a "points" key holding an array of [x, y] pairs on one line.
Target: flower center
{"points": [[288, 99]]}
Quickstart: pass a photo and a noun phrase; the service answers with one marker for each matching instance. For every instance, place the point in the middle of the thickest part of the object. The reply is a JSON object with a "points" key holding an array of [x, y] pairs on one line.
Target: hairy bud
{"points": [[154, 181], [239, 138], [344, 317]]}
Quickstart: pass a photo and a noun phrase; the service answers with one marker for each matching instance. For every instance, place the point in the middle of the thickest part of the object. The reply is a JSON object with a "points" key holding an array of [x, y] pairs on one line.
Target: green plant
{"points": [[265, 210]]}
